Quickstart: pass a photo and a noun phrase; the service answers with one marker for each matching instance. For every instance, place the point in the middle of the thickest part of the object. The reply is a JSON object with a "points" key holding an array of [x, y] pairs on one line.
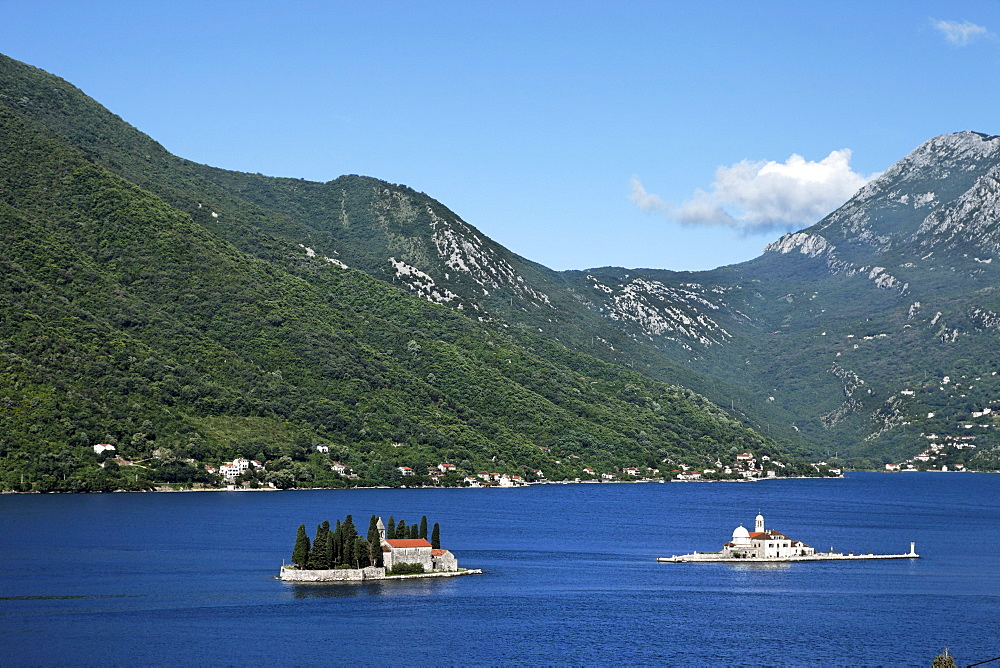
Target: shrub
{"points": [[406, 569]]}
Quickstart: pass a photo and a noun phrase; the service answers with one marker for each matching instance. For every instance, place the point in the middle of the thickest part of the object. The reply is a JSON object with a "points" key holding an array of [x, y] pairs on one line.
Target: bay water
{"points": [[571, 577]]}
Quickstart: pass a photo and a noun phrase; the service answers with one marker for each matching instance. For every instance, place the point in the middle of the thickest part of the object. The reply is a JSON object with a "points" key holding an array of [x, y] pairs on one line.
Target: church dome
{"points": [[741, 536]]}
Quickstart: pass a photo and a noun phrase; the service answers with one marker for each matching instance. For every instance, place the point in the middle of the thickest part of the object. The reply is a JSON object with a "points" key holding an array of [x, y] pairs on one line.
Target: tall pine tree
{"points": [[338, 546], [374, 542], [436, 537], [328, 548], [423, 527], [318, 559], [390, 531], [300, 553]]}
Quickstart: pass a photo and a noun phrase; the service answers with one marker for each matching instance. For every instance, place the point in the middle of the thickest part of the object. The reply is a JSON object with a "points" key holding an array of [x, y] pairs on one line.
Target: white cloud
{"points": [[645, 201], [960, 34], [759, 196]]}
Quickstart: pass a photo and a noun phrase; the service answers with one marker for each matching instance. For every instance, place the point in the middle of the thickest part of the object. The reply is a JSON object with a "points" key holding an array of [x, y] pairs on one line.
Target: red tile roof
{"points": [[770, 534], [409, 542], [438, 553]]}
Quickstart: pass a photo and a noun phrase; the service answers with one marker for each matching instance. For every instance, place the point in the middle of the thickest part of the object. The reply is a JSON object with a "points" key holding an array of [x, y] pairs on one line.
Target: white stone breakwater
{"points": [[361, 574], [717, 557]]}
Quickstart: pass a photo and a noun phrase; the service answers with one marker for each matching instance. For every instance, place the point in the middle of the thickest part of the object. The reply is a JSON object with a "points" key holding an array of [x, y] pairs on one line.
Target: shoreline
{"points": [[541, 482], [356, 575]]}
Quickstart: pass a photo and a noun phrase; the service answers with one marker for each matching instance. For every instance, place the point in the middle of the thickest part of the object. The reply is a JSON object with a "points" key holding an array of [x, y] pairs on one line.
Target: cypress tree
{"points": [[390, 531], [338, 549], [436, 537], [330, 552], [349, 540], [318, 559], [374, 543], [300, 553], [401, 530], [414, 531], [423, 527]]}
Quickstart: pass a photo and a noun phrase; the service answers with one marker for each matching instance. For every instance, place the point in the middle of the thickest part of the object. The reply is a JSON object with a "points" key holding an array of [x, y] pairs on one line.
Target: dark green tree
{"points": [[348, 538], [338, 546], [374, 542], [423, 527], [436, 536], [401, 530], [362, 553], [318, 559], [414, 531], [300, 553], [390, 531]]}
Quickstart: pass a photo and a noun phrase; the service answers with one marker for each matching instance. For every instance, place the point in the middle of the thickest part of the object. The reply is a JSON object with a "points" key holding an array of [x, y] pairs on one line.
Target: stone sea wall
{"points": [[332, 575], [360, 574]]}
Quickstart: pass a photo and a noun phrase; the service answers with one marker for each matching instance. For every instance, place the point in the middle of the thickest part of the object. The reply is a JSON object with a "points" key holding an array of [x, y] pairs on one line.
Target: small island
{"points": [[768, 546], [397, 552]]}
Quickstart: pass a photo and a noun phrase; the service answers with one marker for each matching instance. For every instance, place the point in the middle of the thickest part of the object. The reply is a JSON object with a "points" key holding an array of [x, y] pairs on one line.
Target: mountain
{"points": [[868, 337], [874, 332], [189, 315]]}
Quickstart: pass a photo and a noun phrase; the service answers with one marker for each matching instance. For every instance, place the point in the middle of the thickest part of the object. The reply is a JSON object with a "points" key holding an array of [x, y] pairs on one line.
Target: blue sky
{"points": [[676, 135]]}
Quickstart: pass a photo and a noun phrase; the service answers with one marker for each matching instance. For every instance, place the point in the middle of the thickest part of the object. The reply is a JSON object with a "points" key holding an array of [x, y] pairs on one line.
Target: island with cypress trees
{"points": [[340, 554]]}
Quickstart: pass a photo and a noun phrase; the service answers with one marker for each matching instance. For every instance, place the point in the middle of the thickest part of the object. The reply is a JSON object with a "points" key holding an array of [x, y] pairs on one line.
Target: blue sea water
{"points": [[570, 577]]}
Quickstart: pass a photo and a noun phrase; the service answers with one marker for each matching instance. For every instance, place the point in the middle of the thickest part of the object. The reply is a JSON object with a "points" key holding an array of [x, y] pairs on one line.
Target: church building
{"points": [[414, 551], [764, 543]]}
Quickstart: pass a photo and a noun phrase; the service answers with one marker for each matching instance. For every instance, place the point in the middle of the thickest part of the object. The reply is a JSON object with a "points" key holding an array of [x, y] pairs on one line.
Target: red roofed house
{"points": [[414, 551]]}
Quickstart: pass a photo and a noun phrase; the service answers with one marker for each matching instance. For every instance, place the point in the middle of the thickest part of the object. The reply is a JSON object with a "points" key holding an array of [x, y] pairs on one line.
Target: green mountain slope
{"points": [[150, 308]]}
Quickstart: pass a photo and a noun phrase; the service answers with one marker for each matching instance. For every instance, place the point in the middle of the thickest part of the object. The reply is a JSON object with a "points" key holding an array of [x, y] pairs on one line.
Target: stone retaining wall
{"points": [[332, 575], [361, 574]]}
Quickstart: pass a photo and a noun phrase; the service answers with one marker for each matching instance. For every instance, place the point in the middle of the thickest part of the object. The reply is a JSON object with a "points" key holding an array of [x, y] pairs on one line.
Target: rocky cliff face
{"points": [[848, 324], [945, 190]]}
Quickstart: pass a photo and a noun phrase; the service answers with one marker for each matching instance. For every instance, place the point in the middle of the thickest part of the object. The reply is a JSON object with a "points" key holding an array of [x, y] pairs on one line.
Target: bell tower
{"points": [[758, 524]]}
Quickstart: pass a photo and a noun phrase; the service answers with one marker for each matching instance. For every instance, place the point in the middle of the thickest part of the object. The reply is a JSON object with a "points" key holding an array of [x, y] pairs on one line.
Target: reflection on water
{"points": [[760, 565], [415, 587]]}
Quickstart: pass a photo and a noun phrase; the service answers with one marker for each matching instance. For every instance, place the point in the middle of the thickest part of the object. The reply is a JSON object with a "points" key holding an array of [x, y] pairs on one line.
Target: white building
{"points": [[763, 543]]}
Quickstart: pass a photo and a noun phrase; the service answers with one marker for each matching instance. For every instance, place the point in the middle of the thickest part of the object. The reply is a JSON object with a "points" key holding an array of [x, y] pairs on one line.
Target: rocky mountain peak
{"points": [[942, 192]]}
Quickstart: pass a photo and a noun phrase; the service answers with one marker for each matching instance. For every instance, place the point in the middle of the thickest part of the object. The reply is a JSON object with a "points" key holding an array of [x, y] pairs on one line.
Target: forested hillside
{"points": [[190, 315], [185, 332]]}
